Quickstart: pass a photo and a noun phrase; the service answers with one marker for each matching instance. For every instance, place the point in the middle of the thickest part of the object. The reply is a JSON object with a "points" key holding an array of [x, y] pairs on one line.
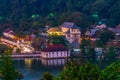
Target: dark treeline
{"points": [[27, 14]]}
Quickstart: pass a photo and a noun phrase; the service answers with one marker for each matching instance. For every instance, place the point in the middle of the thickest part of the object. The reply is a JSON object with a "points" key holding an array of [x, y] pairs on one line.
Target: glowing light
{"points": [[65, 29], [1, 17], [28, 63], [99, 22], [34, 16], [26, 50], [58, 33], [51, 15], [95, 15]]}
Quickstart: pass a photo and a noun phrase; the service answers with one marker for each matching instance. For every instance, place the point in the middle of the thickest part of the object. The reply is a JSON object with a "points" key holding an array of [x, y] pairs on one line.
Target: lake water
{"points": [[32, 69]]}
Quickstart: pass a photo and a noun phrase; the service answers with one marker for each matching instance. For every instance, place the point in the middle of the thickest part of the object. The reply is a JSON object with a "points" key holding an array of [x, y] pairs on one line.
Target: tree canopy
{"points": [[56, 39], [89, 71], [27, 14]]}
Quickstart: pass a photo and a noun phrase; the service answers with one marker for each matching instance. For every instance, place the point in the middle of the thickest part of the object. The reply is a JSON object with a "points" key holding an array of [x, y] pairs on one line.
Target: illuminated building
{"points": [[28, 39], [55, 51], [9, 33], [10, 39], [55, 31], [26, 48], [71, 31], [116, 31]]}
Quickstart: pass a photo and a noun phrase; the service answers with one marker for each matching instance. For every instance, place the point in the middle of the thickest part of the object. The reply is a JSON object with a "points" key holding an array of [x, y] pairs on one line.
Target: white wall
{"points": [[8, 35], [53, 62], [59, 54]]}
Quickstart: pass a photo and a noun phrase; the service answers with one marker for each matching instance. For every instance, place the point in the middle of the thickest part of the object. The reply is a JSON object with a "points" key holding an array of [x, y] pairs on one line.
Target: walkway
{"points": [[25, 55]]}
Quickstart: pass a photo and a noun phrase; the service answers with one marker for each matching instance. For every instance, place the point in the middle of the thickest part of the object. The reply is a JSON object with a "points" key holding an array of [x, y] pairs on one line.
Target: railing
{"points": [[25, 55]]}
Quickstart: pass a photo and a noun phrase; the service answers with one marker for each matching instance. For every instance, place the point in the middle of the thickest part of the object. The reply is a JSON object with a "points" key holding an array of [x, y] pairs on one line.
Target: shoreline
{"points": [[38, 55], [25, 55], [31, 55]]}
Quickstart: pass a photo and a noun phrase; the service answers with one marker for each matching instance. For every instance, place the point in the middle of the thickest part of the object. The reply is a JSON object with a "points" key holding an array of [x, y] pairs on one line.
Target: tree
{"points": [[82, 46], [89, 71], [7, 68], [18, 51], [79, 18], [114, 12], [47, 76], [19, 75], [56, 39], [105, 35], [3, 48], [99, 43], [111, 72], [91, 53], [111, 52], [38, 43], [85, 45], [20, 10], [74, 71]]}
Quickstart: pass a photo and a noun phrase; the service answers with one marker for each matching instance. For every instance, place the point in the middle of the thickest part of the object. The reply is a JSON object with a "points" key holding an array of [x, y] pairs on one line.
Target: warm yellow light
{"points": [[58, 33], [65, 29], [28, 63], [27, 50]]}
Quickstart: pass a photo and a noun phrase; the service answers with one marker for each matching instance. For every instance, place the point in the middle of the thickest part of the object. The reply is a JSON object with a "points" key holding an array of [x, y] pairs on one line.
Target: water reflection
{"points": [[53, 62], [32, 68], [28, 63]]}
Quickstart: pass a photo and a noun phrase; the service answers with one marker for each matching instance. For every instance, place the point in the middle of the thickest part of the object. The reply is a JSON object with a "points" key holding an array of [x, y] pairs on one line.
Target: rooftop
{"points": [[9, 31], [69, 25], [54, 30], [55, 47], [28, 38], [115, 30], [10, 39]]}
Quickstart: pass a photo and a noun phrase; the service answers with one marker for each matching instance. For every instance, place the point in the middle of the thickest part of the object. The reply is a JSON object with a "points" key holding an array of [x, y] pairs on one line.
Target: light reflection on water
{"points": [[32, 69]]}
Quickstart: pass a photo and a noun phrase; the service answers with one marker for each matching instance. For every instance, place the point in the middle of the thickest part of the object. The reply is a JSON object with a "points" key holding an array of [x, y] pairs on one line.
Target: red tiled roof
{"points": [[28, 38], [55, 47], [9, 31]]}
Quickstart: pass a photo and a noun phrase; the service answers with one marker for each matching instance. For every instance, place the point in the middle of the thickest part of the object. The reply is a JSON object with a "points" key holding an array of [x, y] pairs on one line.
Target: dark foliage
{"points": [[35, 14]]}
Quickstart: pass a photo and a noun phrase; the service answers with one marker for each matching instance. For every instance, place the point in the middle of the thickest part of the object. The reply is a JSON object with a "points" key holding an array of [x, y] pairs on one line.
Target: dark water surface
{"points": [[32, 69]]}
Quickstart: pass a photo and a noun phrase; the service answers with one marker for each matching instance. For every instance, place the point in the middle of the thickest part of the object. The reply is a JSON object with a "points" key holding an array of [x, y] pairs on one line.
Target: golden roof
{"points": [[54, 30]]}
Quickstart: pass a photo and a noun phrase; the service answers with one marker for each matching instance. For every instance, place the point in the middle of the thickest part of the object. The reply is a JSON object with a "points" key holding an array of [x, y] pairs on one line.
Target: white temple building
{"points": [[55, 51]]}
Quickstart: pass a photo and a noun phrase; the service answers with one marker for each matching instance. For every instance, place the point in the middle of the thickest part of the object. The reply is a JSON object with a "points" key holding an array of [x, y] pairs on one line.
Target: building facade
{"points": [[56, 31], [71, 31], [10, 40], [55, 51]]}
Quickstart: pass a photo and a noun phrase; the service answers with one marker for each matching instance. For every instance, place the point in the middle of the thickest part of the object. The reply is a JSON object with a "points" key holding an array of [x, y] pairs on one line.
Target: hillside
{"points": [[34, 14]]}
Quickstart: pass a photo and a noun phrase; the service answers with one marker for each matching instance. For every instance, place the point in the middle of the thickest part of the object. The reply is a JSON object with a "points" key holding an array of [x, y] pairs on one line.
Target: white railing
{"points": [[24, 55]]}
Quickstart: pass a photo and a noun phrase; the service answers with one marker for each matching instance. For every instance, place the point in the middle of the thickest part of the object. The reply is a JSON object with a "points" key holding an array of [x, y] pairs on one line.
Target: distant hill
{"points": [[37, 13]]}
